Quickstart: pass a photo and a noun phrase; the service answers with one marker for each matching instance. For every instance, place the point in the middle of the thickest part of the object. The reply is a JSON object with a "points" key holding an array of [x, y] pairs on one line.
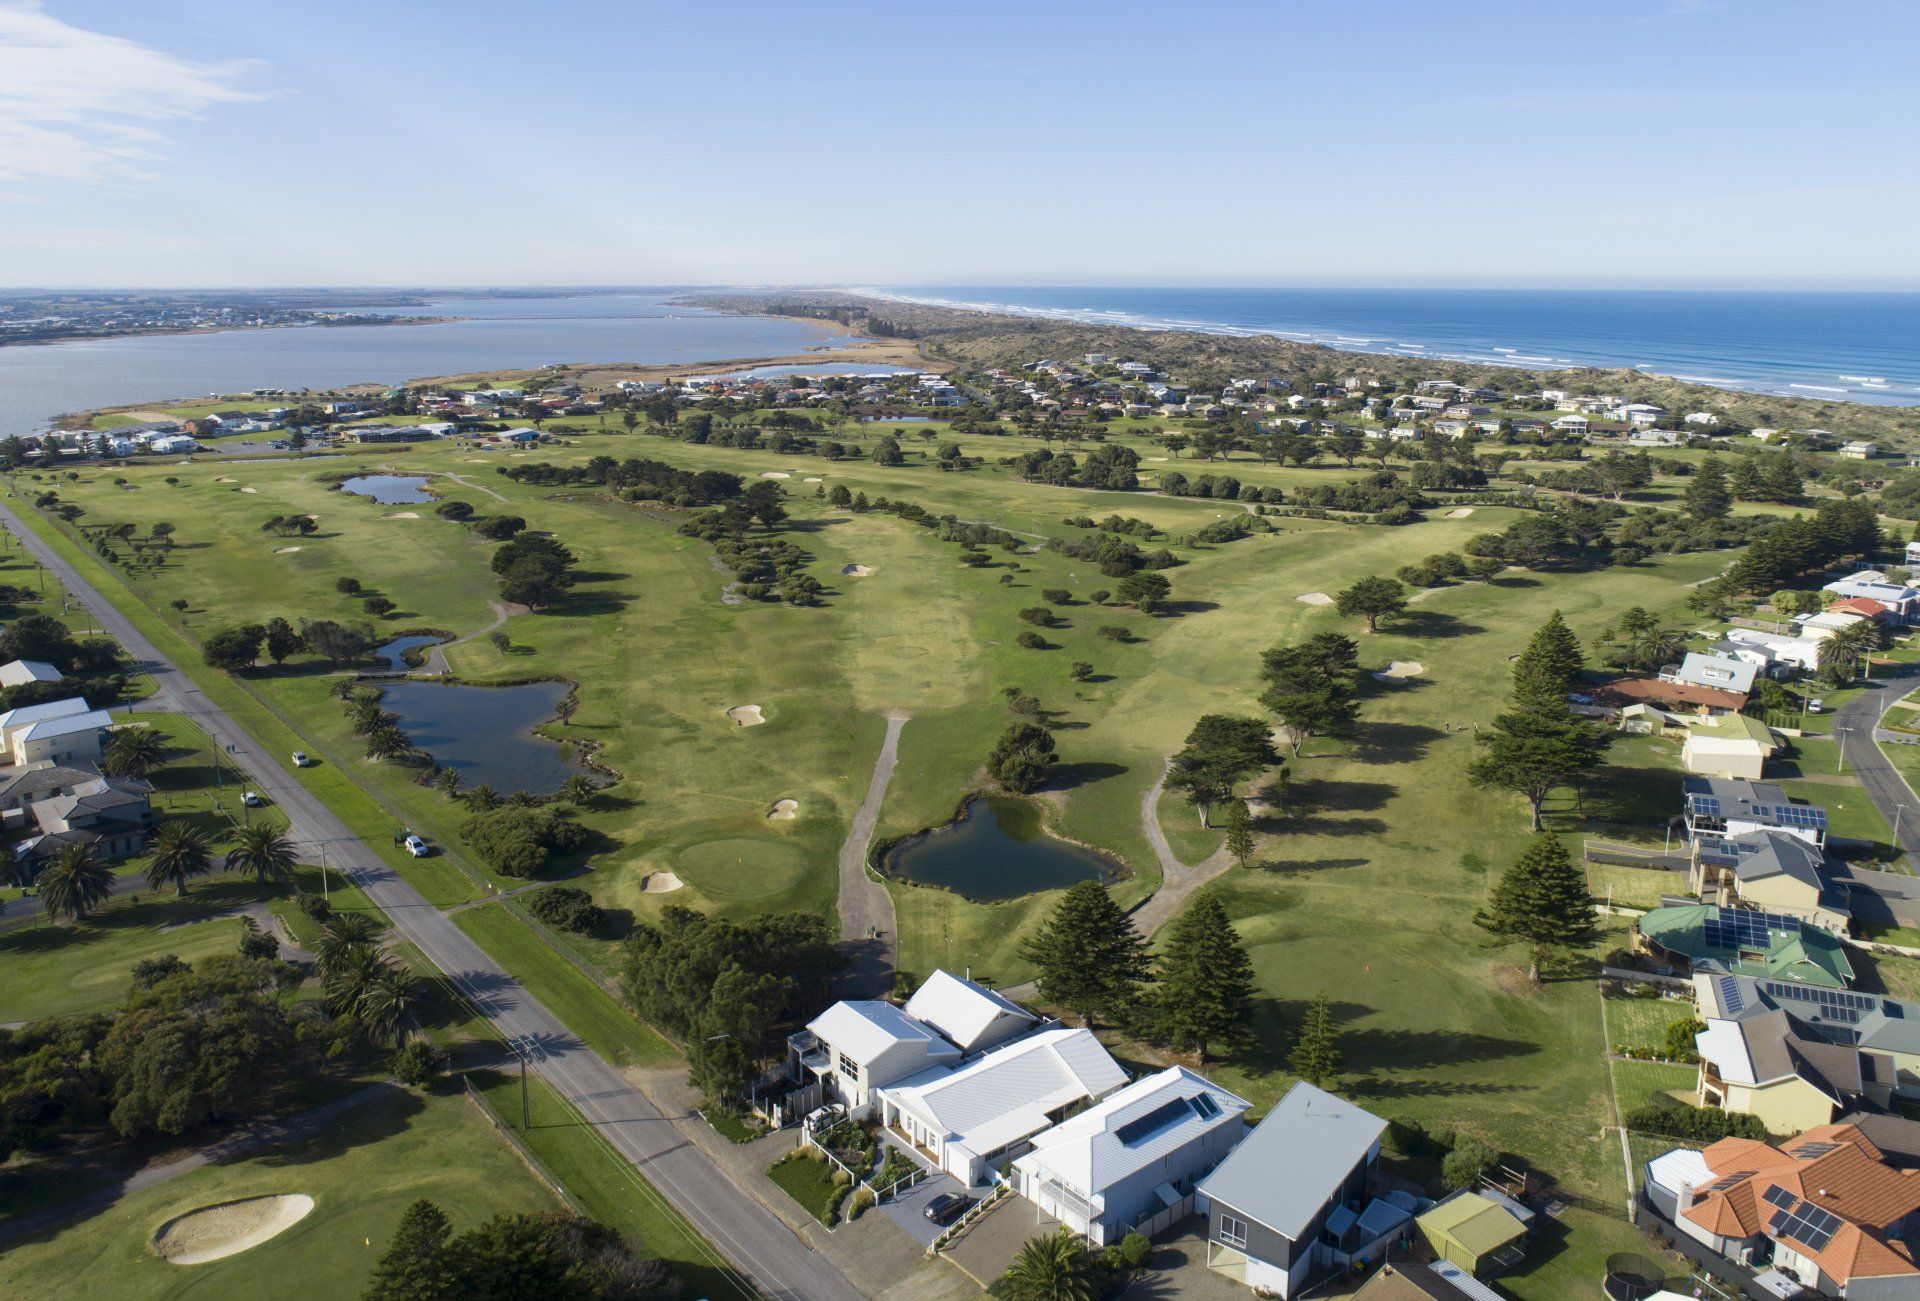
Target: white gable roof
{"points": [[1087, 1152], [65, 725], [21, 672], [863, 1029], [1007, 1093], [963, 1011], [34, 713]]}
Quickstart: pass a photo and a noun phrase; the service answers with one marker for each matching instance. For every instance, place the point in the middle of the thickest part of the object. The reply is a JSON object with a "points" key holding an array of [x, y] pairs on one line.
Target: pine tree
{"points": [[1091, 959], [1239, 831], [1744, 482], [1707, 495], [1316, 1051], [1541, 900], [1206, 980], [414, 1266], [1550, 667]]}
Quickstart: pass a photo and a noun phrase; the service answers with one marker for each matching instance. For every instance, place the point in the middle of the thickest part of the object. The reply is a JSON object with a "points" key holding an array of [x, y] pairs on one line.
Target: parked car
{"points": [[252, 799], [1817, 705], [300, 759], [824, 1117], [948, 1207], [416, 846]]}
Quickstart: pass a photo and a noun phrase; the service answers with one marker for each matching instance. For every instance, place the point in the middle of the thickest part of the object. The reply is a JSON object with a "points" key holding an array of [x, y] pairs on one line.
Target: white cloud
{"points": [[82, 106]]}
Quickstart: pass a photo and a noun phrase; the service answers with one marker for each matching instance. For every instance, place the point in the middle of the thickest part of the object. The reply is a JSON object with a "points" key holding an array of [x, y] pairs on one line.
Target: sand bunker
{"points": [[746, 715], [226, 478], [855, 571], [1460, 512], [1400, 671], [1156, 458], [660, 883], [404, 514], [281, 551], [783, 811], [216, 1232], [811, 479], [1314, 598], [775, 474], [249, 490]]}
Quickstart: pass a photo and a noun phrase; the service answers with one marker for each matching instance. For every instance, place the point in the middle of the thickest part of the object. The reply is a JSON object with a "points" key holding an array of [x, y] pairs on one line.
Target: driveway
{"points": [[991, 1242]]}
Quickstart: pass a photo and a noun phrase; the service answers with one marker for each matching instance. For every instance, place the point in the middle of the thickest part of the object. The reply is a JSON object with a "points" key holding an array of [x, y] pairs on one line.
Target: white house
{"points": [[1800, 652], [968, 1015], [1730, 745], [21, 672], [1901, 600], [974, 1118], [1860, 451], [1131, 1161], [1721, 672], [60, 731], [860, 1045]]}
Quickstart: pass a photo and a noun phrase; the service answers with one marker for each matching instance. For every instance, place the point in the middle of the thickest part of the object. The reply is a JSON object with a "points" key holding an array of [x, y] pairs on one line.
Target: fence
{"points": [[1618, 854], [1001, 1191], [1763, 625], [525, 1153]]}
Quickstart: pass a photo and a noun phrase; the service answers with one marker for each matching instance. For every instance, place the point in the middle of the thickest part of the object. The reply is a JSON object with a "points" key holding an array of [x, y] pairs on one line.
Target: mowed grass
{"points": [[1643, 1083], [367, 1169], [68, 968], [1641, 1023]]}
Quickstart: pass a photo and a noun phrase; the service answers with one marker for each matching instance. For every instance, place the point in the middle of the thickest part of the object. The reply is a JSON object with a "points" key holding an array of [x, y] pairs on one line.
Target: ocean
{"points": [[40, 381], [1853, 347]]}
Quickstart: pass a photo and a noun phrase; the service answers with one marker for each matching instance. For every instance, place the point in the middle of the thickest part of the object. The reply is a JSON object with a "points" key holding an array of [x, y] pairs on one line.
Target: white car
{"points": [[252, 799], [1816, 705], [300, 759], [416, 846]]}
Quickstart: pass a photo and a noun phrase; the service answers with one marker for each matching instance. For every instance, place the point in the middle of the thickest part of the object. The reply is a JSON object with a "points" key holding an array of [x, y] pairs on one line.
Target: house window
{"points": [[1233, 1231], [848, 1067]]}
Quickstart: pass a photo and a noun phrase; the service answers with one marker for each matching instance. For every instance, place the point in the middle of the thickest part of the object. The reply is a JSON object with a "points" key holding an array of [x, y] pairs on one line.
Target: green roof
{"points": [[1737, 727], [1806, 954], [1476, 1223]]}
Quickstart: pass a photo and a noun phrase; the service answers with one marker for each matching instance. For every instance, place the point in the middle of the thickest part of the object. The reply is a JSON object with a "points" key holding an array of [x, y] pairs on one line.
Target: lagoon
{"points": [[389, 489], [997, 850], [486, 733]]}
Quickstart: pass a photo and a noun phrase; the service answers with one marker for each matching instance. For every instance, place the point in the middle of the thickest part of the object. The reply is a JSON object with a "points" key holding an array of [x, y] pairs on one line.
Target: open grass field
{"points": [[1639, 1082], [59, 970], [362, 1174], [1364, 884], [1641, 1023]]}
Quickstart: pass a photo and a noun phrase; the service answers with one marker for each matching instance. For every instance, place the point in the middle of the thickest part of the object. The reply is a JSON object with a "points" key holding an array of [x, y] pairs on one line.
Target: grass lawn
{"points": [[589, 1011], [1633, 887], [1641, 1023], [377, 1161], [808, 1182], [1638, 1082]]}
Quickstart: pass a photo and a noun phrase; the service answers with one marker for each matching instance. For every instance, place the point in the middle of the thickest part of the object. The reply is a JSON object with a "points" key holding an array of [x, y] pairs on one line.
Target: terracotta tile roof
{"points": [[1860, 605], [1622, 692]]}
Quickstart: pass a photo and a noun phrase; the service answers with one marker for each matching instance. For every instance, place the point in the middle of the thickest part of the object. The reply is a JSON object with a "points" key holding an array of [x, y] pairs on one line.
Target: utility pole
{"points": [[527, 1049]]}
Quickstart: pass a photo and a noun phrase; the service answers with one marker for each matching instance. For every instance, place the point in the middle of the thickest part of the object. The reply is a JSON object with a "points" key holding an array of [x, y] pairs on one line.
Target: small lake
{"points": [[395, 651], [997, 850], [389, 489], [485, 733]]}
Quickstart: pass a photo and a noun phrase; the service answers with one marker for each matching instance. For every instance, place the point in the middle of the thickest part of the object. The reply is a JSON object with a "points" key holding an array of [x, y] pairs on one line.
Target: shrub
{"points": [[346, 586], [418, 1063], [1099, 596], [1039, 615], [1464, 1165], [1056, 596], [454, 510], [257, 943], [1114, 632], [516, 841], [566, 907], [1032, 640], [498, 528], [1701, 1124], [1133, 1252], [316, 907]]}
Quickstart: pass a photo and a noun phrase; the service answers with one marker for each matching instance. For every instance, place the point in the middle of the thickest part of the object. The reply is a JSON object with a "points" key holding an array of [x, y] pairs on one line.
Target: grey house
{"points": [[1291, 1202]]}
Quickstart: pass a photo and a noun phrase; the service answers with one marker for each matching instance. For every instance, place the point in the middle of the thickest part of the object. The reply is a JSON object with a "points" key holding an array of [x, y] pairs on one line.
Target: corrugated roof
{"points": [[1007, 1093], [1316, 1138], [1088, 1151], [962, 1010], [865, 1028], [1480, 1225]]}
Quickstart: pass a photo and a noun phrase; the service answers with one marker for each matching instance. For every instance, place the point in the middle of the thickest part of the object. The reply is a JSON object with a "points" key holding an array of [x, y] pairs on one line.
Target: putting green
{"points": [[740, 868]]}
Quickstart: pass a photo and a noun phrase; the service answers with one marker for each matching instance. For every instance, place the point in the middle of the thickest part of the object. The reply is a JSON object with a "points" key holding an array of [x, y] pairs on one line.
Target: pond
{"points": [[394, 653], [997, 850], [389, 489], [486, 733]]}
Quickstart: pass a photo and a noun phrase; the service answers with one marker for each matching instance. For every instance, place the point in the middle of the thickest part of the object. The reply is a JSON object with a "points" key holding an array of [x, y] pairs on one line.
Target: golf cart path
{"points": [[866, 909], [436, 658]]}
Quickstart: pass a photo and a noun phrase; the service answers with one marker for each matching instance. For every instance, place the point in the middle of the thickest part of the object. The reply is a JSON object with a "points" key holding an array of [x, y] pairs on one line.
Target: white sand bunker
{"points": [[404, 514], [775, 474], [660, 883], [1460, 512], [811, 479], [216, 1232], [783, 811], [1400, 671], [1156, 458], [746, 715], [281, 551], [855, 571], [226, 478], [249, 490], [1314, 598]]}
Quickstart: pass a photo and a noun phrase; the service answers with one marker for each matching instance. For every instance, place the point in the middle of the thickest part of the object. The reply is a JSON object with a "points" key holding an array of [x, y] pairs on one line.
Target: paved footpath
{"points": [[866, 909], [751, 1238]]}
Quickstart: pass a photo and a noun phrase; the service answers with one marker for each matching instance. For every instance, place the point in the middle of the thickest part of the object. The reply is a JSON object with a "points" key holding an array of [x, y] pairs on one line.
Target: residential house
{"points": [[973, 1118], [1717, 807], [21, 787], [1481, 1232], [1780, 651], [1571, 425], [1860, 451], [1410, 1281], [20, 672], [1627, 689], [1872, 1023], [1773, 872], [1825, 1211], [1131, 1161], [1912, 558], [970, 1016], [1754, 1064], [860, 1045], [385, 434], [114, 815], [1744, 942], [1720, 672], [1901, 600], [1292, 1202], [59, 731], [1728, 745]]}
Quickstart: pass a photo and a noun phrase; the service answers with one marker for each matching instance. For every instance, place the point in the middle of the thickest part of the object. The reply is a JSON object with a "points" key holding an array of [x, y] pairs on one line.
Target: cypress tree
{"points": [[1239, 831], [1206, 980], [1542, 901], [1316, 1051], [1550, 667], [1708, 497], [1091, 959], [415, 1266]]}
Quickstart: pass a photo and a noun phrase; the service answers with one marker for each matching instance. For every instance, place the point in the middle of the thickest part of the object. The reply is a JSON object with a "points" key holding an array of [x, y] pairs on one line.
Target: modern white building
{"points": [[59, 731], [1131, 1161], [21, 672]]}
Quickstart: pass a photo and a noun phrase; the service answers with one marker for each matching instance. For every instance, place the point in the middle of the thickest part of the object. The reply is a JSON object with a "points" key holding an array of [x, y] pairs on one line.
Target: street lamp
{"points": [[527, 1049]]}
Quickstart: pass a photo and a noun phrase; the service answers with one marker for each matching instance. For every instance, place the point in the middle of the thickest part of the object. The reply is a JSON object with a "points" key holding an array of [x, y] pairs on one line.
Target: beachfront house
{"points": [[1871, 1023], [1720, 807], [971, 1119], [1131, 1161], [1292, 1202]]}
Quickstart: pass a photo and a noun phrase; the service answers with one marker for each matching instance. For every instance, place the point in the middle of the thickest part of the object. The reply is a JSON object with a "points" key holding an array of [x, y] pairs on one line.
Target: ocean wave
{"points": [[1820, 388]]}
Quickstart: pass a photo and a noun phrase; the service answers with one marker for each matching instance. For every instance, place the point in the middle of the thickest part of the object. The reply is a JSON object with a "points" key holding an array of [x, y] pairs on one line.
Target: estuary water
{"points": [[1854, 347], [40, 381]]}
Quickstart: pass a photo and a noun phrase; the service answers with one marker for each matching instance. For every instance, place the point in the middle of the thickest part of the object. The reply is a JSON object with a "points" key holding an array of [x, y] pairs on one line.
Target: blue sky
{"points": [[1373, 142]]}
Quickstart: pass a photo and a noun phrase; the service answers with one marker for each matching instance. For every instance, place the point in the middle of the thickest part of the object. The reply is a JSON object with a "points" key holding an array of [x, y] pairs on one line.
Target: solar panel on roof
{"points": [[1704, 806], [1204, 1106], [1778, 1196], [1812, 1150], [1730, 997], [1142, 1127]]}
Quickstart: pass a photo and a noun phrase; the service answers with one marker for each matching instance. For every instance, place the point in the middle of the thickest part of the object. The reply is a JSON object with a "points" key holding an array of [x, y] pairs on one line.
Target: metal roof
{"points": [[1313, 1137]]}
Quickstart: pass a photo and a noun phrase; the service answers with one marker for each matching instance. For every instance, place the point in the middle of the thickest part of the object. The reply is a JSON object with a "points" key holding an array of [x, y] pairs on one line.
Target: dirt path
{"points": [[436, 659], [465, 482], [1178, 881], [866, 909]]}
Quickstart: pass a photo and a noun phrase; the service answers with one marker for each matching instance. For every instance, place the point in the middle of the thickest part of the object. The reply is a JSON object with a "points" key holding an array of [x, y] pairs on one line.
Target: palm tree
{"points": [[388, 1003], [523, 799], [352, 977], [180, 850], [133, 752], [1054, 1268], [13, 871], [482, 798], [577, 790], [75, 881], [387, 742], [264, 850], [447, 782], [1845, 652]]}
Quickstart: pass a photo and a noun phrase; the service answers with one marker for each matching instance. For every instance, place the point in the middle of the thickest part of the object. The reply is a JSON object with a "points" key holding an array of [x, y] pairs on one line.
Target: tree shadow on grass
{"points": [[1068, 776], [1330, 795], [1285, 866], [1433, 625], [1381, 742], [359, 1126]]}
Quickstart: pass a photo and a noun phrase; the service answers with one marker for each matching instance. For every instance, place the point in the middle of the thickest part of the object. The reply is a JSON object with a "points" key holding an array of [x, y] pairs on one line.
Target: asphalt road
{"points": [[1854, 724], [752, 1239]]}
